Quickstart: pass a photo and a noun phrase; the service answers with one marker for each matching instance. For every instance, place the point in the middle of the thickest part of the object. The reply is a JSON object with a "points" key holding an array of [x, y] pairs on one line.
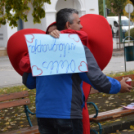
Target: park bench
{"points": [[111, 114], [19, 99]]}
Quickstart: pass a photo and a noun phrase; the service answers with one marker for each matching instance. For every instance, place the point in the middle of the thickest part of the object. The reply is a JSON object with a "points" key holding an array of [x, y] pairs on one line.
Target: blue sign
{"points": [[51, 56]]}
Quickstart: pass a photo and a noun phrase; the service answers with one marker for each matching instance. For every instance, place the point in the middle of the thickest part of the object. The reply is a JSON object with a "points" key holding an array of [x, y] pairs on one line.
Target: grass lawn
{"points": [[15, 118]]}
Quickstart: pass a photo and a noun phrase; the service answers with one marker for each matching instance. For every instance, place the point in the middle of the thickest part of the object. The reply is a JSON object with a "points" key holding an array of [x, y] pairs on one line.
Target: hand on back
{"points": [[55, 33]]}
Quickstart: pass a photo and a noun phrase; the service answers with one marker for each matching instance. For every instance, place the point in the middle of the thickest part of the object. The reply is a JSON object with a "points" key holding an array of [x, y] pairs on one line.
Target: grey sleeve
{"points": [[98, 79]]}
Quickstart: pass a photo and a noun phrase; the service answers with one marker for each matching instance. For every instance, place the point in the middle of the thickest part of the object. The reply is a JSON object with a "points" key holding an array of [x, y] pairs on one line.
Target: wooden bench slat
{"points": [[114, 111], [111, 114], [14, 100], [14, 103], [13, 96]]}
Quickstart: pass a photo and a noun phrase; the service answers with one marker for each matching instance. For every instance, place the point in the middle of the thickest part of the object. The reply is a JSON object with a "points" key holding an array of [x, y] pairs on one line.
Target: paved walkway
{"points": [[116, 64], [9, 77]]}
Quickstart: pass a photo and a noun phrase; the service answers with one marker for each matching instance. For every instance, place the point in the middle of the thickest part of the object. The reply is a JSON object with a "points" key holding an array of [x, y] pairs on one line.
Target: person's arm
{"points": [[96, 78], [99, 80], [28, 80]]}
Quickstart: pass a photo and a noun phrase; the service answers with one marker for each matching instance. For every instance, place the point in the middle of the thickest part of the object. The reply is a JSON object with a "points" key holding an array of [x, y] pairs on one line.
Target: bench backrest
{"points": [[14, 99]]}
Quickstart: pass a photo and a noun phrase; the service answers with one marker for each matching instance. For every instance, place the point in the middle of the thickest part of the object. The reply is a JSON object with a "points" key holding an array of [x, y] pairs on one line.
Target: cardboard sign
{"points": [[50, 56]]}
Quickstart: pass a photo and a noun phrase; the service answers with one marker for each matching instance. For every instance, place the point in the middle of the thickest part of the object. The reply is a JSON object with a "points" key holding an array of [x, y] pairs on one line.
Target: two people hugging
{"points": [[61, 99]]}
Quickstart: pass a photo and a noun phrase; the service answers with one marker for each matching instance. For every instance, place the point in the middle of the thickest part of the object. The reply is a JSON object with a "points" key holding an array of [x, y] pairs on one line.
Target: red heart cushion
{"points": [[99, 37], [101, 45], [17, 47]]}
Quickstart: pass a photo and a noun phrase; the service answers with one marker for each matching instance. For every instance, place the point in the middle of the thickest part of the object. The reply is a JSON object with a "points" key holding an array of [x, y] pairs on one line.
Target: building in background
{"points": [[83, 6]]}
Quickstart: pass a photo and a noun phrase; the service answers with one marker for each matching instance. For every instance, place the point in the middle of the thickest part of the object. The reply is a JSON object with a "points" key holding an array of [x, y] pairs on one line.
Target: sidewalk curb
{"points": [[11, 85], [112, 128], [118, 53], [115, 53], [4, 57], [118, 126]]}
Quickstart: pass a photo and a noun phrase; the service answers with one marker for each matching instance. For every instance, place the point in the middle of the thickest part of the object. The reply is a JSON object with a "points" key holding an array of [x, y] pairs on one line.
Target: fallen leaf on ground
{"points": [[132, 127]]}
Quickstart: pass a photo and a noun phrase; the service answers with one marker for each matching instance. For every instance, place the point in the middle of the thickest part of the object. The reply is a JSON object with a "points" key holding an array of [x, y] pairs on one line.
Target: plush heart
{"points": [[101, 45], [99, 37], [100, 41], [17, 47]]}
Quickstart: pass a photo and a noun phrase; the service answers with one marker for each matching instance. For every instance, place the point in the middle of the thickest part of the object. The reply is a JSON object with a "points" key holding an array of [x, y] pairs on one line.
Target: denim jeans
{"points": [[60, 126]]}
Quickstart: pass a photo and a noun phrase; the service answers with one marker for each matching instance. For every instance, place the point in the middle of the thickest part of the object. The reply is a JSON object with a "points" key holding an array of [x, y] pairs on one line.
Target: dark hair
{"points": [[63, 16]]}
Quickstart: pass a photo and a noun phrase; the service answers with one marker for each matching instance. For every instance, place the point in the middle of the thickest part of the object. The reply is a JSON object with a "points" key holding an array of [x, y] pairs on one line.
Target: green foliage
{"points": [[100, 7], [108, 4], [13, 10], [118, 6], [131, 33]]}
